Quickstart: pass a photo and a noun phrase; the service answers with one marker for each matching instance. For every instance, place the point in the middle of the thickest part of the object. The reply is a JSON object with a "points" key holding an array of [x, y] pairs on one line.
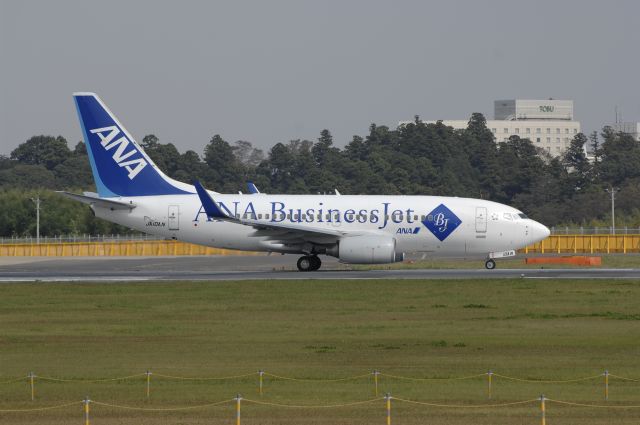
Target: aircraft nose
{"points": [[539, 231]]}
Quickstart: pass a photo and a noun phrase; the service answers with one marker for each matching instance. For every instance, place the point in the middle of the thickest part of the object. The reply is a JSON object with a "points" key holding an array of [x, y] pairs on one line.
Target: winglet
{"points": [[209, 205], [252, 188]]}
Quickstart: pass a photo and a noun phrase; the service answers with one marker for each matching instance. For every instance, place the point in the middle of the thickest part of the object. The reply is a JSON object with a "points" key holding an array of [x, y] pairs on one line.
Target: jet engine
{"points": [[367, 249]]}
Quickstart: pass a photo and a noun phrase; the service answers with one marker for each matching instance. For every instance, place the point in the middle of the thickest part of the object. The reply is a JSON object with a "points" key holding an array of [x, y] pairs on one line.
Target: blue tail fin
{"points": [[120, 167]]}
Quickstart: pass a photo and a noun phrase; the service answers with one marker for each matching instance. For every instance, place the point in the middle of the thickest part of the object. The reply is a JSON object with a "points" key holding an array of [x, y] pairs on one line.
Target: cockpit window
{"points": [[507, 216], [523, 215]]}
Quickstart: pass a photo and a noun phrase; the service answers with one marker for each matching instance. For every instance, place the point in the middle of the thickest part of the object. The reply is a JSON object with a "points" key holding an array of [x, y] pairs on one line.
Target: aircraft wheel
{"points": [[490, 264], [305, 263], [315, 263]]}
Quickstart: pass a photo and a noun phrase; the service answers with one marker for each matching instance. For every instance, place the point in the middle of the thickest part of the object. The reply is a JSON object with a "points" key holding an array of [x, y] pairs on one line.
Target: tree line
{"points": [[414, 159]]}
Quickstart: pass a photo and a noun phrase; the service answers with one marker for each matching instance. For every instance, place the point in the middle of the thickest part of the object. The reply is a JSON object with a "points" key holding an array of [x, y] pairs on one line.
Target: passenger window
{"points": [[266, 216], [415, 218], [424, 217]]}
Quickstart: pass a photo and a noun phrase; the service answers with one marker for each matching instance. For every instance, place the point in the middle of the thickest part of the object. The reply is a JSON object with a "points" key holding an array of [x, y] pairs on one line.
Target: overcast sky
{"points": [[270, 71]]}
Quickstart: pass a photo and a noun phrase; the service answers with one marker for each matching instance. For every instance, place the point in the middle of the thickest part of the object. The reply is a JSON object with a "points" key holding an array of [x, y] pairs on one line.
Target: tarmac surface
{"points": [[212, 268]]}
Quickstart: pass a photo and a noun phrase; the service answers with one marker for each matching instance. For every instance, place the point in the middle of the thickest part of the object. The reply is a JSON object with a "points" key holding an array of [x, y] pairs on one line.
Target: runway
{"points": [[219, 268]]}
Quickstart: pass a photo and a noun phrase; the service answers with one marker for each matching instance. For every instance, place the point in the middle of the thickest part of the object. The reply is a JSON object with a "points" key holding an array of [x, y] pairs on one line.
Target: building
{"points": [[549, 124], [632, 128]]}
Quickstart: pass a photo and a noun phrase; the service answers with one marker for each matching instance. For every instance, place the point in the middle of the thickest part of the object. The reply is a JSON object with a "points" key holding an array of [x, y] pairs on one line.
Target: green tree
{"points": [[47, 151], [520, 167], [190, 167], [576, 163], [225, 171], [165, 156], [27, 176], [323, 148], [620, 157], [246, 154]]}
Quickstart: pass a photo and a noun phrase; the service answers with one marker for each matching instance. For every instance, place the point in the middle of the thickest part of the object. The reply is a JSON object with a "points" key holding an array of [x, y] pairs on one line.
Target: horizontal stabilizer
{"points": [[97, 201]]}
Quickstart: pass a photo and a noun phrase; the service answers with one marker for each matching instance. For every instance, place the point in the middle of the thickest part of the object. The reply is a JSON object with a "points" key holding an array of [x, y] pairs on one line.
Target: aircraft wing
{"points": [[94, 199], [282, 232]]}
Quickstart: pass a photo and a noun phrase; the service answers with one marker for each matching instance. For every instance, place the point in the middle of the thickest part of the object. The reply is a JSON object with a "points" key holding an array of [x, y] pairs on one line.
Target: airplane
{"points": [[356, 229]]}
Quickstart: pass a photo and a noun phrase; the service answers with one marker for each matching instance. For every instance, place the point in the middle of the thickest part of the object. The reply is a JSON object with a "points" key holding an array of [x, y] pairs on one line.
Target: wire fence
{"points": [[78, 238], [84, 406], [539, 403], [374, 377], [607, 230]]}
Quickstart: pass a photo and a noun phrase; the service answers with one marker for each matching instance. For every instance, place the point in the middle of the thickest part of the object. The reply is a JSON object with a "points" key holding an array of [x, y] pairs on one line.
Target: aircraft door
{"points": [[174, 217], [481, 220]]}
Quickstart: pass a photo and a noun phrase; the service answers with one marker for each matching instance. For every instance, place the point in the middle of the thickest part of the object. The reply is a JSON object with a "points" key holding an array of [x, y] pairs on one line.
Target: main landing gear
{"points": [[490, 264], [309, 263]]}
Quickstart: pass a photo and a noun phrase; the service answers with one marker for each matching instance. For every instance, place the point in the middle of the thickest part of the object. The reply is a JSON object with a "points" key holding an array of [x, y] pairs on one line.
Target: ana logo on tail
{"points": [[121, 155]]}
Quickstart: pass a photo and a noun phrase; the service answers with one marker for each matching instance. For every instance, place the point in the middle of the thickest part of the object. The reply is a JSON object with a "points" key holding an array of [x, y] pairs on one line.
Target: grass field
{"points": [[321, 329]]}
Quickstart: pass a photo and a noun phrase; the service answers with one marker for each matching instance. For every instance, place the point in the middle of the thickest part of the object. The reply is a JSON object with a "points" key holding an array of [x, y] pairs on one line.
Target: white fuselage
{"points": [[484, 228]]}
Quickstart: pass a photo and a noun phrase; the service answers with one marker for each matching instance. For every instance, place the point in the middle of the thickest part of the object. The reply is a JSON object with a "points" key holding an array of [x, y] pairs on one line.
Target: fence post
{"points": [[606, 385], [238, 399], [489, 381], [260, 374], [86, 402], [375, 380], [387, 398], [148, 373], [543, 412], [33, 388]]}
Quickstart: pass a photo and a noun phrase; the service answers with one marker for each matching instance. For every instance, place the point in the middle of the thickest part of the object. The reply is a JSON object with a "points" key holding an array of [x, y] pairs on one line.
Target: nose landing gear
{"points": [[490, 264], [309, 263]]}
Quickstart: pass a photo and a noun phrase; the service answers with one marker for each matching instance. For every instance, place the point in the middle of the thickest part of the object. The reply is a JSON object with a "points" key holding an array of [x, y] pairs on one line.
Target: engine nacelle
{"points": [[367, 249]]}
